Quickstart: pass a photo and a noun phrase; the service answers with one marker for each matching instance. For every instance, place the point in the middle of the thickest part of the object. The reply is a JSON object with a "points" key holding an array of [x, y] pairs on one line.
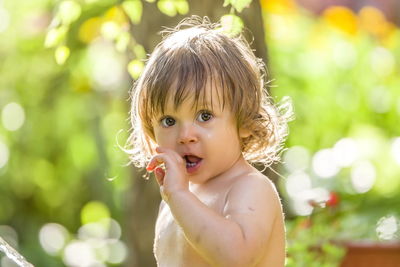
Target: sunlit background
{"points": [[65, 70]]}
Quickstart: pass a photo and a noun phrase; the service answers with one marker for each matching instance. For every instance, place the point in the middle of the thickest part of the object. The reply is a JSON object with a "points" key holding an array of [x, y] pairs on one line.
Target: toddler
{"points": [[200, 116]]}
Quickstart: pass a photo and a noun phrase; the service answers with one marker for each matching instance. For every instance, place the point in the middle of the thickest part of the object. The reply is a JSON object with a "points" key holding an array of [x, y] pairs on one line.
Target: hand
{"points": [[173, 179]]}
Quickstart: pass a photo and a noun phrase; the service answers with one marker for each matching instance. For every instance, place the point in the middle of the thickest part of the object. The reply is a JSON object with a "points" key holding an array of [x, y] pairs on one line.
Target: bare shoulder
{"points": [[253, 203], [254, 190]]}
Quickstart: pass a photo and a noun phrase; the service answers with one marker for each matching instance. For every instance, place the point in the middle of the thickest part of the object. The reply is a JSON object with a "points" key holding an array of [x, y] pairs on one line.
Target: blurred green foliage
{"points": [[61, 163], [343, 159], [66, 68]]}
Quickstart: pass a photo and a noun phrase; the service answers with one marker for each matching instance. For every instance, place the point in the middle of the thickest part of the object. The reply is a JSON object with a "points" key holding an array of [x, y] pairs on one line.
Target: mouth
{"points": [[192, 163]]}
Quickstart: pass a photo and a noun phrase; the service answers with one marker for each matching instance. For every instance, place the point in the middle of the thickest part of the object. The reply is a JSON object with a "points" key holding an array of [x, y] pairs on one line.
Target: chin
{"points": [[198, 179]]}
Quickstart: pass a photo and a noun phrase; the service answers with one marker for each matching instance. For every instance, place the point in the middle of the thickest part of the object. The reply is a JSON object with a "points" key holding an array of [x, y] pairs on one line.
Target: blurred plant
{"points": [[66, 69], [96, 243], [113, 21], [342, 162], [310, 242]]}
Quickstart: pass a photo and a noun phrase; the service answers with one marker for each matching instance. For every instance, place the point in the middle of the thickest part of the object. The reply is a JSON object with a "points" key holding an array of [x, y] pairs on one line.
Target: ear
{"points": [[244, 132]]}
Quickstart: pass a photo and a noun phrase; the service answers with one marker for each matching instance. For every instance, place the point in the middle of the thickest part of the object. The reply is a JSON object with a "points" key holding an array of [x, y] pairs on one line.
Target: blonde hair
{"points": [[190, 56]]}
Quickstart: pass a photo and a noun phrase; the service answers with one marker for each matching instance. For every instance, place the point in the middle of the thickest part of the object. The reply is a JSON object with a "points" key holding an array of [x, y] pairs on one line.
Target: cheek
{"points": [[164, 138], [157, 136], [223, 135]]}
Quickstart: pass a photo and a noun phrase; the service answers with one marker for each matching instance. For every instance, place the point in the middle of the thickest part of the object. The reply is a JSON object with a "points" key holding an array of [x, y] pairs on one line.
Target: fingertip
{"points": [[149, 167]]}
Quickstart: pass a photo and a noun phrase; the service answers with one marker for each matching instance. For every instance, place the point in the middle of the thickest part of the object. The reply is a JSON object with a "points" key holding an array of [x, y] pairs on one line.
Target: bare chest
{"points": [[170, 245]]}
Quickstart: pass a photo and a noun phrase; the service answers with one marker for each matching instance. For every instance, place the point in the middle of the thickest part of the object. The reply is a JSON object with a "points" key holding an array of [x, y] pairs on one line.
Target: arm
{"points": [[239, 236]]}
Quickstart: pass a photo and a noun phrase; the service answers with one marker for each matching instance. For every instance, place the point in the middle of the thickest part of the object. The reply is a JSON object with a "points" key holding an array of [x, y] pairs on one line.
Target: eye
{"points": [[204, 116], [167, 122]]}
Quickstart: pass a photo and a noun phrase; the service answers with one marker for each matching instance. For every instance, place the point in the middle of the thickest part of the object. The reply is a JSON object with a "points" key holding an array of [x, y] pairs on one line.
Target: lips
{"points": [[192, 162]]}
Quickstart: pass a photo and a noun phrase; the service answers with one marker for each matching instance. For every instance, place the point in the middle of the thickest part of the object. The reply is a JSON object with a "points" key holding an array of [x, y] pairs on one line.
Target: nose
{"points": [[187, 134]]}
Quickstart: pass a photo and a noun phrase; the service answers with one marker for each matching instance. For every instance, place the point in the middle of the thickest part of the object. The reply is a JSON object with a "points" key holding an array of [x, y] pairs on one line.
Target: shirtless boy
{"points": [[201, 116]]}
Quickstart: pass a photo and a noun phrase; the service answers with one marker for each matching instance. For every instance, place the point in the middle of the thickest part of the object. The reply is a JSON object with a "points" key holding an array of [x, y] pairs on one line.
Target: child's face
{"points": [[207, 139]]}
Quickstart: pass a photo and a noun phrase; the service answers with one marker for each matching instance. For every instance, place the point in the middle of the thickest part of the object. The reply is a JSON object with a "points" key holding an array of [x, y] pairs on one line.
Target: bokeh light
{"points": [[301, 206], [13, 116], [94, 211], [341, 18], [297, 183], [387, 228], [283, 28], [103, 229], [382, 62], [296, 158], [4, 19], [53, 237], [324, 164], [344, 54], [107, 66], [380, 99], [117, 252], [305, 201], [363, 175], [345, 152], [395, 149], [80, 253], [374, 21], [4, 154], [96, 243]]}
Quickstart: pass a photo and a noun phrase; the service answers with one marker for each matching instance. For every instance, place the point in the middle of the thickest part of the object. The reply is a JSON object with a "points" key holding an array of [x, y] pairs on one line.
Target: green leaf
{"points": [[182, 7], [167, 7], [134, 10], [226, 3], [135, 68], [239, 5], [55, 36], [139, 51], [94, 211], [122, 41], [61, 54], [68, 12], [231, 24]]}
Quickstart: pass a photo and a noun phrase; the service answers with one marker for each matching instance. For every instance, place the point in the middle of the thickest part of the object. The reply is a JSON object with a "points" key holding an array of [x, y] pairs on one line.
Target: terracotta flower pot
{"points": [[372, 254]]}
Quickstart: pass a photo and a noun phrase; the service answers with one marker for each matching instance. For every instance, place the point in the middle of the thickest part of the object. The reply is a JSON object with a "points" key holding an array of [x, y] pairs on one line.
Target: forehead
{"points": [[209, 97]]}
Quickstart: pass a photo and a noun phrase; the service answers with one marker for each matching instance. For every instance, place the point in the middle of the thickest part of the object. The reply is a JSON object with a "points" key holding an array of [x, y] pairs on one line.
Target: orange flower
{"points": [[117, 15], [90, 29], [374, 21], [278, 6], [342, 18]]}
